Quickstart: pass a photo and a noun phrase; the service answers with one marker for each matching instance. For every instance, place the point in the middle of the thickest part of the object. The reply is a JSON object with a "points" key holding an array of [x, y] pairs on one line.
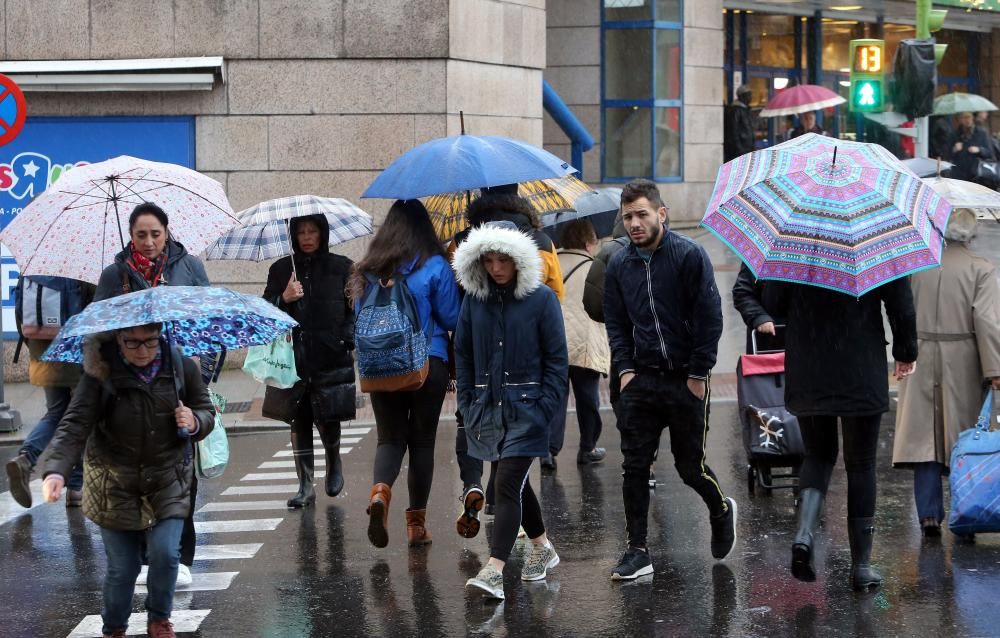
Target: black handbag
{"points": [[988, 172], [281, 404]]}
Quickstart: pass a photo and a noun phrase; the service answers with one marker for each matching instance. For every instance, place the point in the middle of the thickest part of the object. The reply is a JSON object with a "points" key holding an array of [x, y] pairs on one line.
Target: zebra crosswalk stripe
{"points": [[251, 525], [277, 476], [242, 506], [244, 490], [205, 581], [225, 552], [184, 620]]}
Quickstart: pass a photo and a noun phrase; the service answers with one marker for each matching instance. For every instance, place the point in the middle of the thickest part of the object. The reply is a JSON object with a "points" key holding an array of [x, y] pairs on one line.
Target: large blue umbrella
{"points": [[198, 319], [464, 162]]}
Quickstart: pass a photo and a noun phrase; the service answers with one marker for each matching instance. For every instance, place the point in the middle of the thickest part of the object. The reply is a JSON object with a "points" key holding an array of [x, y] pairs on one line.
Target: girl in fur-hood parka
{"points": [[511, 369]]}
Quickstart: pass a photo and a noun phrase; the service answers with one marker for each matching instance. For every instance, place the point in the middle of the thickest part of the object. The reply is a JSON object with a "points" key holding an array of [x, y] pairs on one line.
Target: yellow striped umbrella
{"points": [[447, 210]]}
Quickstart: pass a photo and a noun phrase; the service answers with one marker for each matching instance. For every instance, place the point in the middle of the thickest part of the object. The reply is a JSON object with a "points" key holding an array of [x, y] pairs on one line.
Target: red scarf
{"points": [[151, 271]]}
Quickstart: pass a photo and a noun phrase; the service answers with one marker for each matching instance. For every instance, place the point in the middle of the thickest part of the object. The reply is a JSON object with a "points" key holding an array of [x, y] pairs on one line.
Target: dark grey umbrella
{"points": [[926, 167], [600, 207]]}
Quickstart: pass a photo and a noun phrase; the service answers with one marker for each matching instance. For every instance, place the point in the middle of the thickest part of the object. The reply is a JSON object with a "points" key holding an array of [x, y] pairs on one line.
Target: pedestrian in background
{"points": [[807, 124], [738, 127], [511, 369], [127, 412], [406, 249], [753, 298], [153, 258], [835, 369], [310, 285], [57, 380], [967, 146], [500, 203], [664, 319], [586, 342], [958, 330]]}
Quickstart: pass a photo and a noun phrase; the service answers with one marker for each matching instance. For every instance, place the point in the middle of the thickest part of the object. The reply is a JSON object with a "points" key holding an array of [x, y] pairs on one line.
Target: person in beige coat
{"points": [[958, 327], [589, 353]]}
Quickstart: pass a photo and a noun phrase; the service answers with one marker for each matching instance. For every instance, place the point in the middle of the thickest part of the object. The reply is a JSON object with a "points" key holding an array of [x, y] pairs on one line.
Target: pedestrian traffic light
{"points": [[867, 76]]}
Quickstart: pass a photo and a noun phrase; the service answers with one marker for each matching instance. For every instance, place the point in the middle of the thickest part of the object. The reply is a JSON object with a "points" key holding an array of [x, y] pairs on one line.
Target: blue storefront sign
{"points": [[48, 146]]}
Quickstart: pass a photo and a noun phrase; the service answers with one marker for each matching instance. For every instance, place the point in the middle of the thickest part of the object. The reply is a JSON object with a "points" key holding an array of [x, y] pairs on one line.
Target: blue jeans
{"points": [[56, 402], [124, 552], [928, 491]]}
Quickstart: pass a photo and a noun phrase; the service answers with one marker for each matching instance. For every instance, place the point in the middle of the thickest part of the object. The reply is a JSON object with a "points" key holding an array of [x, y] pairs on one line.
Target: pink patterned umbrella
{"points": [[801, 99], [76, 227]]}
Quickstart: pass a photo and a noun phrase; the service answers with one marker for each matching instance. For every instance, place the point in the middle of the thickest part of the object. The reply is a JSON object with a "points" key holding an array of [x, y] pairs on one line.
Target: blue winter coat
{"points": [[510, 352], [436, 294]]}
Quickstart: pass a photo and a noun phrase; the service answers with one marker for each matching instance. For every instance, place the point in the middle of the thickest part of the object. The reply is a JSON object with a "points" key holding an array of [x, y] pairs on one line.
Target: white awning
{"points": [[153, 74]]}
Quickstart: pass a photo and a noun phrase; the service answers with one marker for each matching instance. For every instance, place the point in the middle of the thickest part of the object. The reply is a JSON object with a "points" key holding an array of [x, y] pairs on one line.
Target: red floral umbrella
{"points": [[800, 99]]}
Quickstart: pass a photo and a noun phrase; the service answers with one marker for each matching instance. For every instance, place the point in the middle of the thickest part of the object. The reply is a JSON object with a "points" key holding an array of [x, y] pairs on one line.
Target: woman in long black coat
{"points": [[313, 293], [835, 367]]}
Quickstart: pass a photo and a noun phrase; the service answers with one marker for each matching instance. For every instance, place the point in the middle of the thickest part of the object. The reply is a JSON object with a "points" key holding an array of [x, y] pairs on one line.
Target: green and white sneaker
{"points": [[541, 559], [490, 580]]}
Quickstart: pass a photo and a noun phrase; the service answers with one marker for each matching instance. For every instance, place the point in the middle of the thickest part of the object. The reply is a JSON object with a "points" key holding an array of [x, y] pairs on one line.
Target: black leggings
{"points": [[819, 433], [516, 505], [408, 421]]}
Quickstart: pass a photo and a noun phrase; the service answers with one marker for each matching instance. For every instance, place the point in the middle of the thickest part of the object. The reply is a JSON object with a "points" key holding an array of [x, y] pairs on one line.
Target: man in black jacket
{"points": [[664, 320]]}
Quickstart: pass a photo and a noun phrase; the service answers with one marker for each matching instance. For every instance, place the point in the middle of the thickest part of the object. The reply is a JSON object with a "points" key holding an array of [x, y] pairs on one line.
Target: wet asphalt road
{"points": [[315, 573]]}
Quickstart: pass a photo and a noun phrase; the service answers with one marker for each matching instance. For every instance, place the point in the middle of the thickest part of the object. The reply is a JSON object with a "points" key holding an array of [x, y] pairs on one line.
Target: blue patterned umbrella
{"points": [[196, 318], [263, 230]]}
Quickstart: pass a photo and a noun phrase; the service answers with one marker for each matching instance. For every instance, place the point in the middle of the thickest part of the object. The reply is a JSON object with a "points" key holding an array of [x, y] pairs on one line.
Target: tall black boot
{"points": [[810, 509], [304, 467], [330, 433], [861, 533]]}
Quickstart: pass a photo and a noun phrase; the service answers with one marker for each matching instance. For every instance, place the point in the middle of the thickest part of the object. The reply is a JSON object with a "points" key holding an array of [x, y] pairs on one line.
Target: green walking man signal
{"points": [[867, 76]]}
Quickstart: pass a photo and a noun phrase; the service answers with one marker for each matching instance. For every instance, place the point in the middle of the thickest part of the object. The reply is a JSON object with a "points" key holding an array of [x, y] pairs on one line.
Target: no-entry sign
{"points": [[13, 110]]}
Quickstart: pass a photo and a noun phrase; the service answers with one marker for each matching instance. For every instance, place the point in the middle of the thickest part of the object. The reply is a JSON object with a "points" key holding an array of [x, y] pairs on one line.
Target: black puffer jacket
{"points": [[324, 338], [665, 313], [134, 466], [182, 269]]}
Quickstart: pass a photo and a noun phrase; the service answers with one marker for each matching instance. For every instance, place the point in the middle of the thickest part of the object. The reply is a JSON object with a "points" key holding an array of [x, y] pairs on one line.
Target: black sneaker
{"points": [[19, 476], [634, 563], [593, 456], [549, 463], [724, 531]]}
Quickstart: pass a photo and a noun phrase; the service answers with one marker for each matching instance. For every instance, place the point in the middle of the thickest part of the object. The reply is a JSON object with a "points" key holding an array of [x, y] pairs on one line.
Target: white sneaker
{"points": [[143, 573], [183, 575]]}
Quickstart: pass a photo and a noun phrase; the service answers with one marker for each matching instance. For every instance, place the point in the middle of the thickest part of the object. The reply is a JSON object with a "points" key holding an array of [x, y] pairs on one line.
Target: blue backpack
{"points": [[390, 343]]}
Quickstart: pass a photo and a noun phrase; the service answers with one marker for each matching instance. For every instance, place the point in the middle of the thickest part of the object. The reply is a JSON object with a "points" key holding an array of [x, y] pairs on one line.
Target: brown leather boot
{"points": [[378, 514], [161, 628], [416, 533]]}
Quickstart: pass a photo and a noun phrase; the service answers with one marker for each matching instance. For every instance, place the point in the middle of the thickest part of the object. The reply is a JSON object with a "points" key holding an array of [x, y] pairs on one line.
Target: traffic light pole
{"points": [[922, 146]]}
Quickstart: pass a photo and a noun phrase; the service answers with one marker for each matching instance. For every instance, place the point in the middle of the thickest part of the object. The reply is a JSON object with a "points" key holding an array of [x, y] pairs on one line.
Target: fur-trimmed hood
{"points": [[94, 362], [499, 238]]}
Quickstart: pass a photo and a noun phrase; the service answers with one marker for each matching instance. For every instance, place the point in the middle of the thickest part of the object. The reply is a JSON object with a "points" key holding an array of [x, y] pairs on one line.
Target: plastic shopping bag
{"points": [[212, 452], [273, 364]]}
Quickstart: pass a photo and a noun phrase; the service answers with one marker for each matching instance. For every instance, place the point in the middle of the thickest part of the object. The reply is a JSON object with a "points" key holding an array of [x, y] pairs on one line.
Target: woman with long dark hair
{"points": [[405, 251]]}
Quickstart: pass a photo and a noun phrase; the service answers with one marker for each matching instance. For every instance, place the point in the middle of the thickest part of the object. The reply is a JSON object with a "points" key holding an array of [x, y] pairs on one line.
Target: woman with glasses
{"points": [[153, 258], [135, 410]]}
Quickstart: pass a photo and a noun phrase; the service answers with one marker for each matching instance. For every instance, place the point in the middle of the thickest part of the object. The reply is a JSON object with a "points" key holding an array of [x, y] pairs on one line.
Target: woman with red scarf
{"points": [[152, 258]]}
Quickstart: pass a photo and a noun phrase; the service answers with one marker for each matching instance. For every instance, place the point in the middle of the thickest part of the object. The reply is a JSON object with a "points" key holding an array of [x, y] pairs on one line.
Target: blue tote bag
{"points": [[975, 477]]}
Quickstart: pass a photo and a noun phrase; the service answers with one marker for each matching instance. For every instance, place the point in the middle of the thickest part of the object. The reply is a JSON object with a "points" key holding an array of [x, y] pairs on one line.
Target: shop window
{"points": [[641, 93]]}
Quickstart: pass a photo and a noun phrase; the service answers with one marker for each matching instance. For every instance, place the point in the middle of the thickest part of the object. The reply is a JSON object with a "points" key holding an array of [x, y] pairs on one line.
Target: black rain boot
{"points": [[330, 433], [861, 533], [304, 467], [810, 510]]}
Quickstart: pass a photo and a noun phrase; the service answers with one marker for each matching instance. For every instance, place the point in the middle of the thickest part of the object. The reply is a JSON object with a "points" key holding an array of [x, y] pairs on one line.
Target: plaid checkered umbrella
{"points": [[263, 230]]}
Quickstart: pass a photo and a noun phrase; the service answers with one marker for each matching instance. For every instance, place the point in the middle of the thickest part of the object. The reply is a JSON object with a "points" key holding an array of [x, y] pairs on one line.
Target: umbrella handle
{"points": [[291, 252]]}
